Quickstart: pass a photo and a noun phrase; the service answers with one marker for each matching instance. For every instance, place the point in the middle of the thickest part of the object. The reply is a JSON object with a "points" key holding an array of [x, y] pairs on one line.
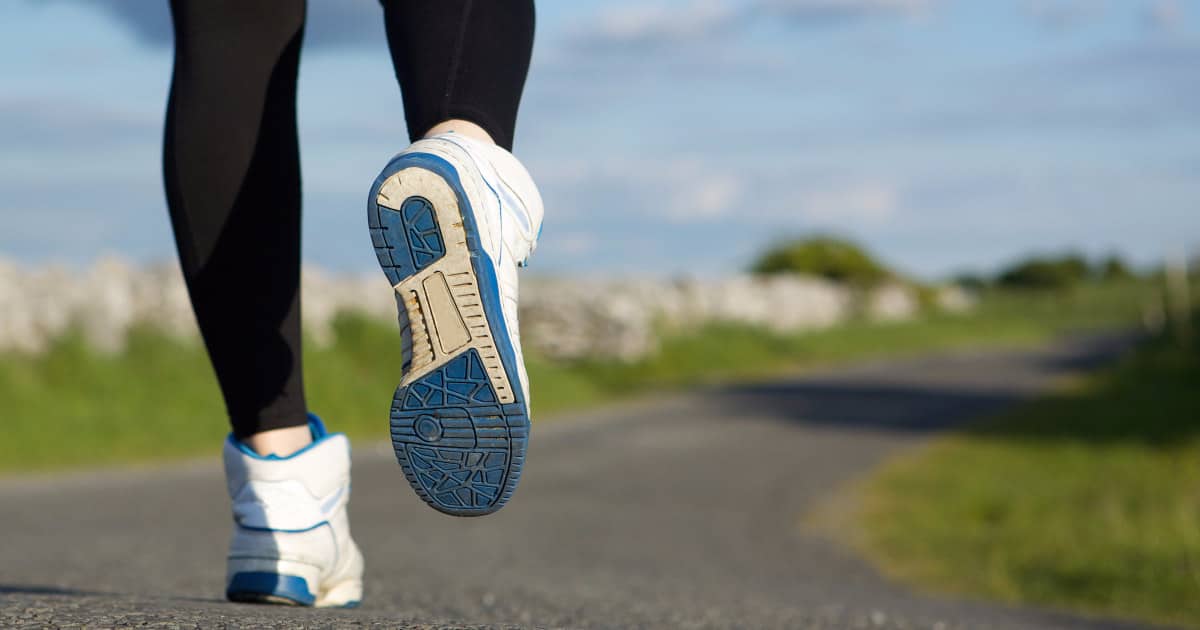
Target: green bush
{"points": [[1046, 273], [971, 281], [1114, 268], [836, 259]]}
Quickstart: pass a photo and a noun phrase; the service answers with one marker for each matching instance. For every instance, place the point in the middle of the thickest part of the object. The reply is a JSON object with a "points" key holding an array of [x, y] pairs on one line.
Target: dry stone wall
{"points": [[561, 318]]}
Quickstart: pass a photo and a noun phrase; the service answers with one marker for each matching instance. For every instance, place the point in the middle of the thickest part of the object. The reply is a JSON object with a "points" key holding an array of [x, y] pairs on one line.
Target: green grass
{"points": [[158, 400], [1004, 318], [1088, 499]]}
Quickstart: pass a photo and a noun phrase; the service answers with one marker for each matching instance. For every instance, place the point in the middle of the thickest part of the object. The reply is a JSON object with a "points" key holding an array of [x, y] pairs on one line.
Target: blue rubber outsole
{"points": [[260, 587], [460, 447], [256, 587]]}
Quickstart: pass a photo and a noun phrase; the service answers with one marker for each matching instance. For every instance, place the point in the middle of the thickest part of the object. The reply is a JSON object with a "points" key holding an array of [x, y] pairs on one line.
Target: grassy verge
{"points": [[158, 400], [1088, 499]]}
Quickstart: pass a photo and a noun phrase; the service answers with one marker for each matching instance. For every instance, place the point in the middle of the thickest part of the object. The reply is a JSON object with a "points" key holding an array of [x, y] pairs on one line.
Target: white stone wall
{"points": [[39, 304], [615, 318], [621, 318]]}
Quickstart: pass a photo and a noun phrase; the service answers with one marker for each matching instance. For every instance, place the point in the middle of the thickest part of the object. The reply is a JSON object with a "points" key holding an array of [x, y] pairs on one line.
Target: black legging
{"points": [[231, 162]]}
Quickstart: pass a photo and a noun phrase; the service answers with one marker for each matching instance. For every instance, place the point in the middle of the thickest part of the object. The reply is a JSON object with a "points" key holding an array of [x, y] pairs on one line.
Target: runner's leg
{"points": [[231, 166]]}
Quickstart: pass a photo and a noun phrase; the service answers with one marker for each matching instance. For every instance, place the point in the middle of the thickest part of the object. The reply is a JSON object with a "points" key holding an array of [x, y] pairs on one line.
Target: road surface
{"points": [[681, 511]]}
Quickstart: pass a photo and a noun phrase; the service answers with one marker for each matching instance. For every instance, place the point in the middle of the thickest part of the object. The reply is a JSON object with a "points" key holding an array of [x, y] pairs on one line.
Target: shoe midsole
{"points": [[442, 298]]}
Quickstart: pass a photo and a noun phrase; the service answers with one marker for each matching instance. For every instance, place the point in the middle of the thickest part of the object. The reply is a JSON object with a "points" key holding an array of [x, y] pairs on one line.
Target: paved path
{"points": [[684, 511]]}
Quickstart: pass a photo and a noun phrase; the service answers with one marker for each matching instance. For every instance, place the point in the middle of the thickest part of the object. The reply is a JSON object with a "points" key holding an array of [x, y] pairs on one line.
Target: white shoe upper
{"points": [[507, 209], [290, 517]]}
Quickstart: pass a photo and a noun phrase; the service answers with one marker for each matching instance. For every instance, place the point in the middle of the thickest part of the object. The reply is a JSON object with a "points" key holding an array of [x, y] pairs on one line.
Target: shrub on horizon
{"points": [[1045, 273], [1114, 268], [971, 281], [836, 259]]}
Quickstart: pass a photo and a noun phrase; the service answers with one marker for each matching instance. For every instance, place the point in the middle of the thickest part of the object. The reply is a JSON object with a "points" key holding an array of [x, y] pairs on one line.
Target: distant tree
{"points": [[1074, 266], [971, 281], [1114, 268], [830, 257], [1045, 273]]}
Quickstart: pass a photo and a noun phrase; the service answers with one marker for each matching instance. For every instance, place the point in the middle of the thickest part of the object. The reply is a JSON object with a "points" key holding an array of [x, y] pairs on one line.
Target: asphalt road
{"points": [[682, 511]]}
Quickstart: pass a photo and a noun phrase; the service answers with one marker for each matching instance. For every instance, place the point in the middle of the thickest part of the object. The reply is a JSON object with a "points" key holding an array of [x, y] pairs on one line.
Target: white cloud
{"points": [[1064, 14], [705, 198], [842, 10], [676, 189], [679, 189], [871, 203], [36, 123], [329, 23], [646, 24], [696, 191], [1165, 15], [570, 244], [642, 25]]}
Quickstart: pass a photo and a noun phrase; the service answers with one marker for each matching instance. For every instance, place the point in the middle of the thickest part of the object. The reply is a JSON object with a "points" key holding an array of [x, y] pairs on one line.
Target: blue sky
{"points": [[675, 137]]}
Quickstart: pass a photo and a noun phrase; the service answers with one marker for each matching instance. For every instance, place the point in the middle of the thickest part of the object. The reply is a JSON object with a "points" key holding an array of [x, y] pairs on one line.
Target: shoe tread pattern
{"points": [[407, 239], [460, 443]]}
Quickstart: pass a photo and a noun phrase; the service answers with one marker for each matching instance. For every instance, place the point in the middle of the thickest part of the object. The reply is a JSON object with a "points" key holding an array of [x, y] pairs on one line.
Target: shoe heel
{"points": [[460, 447], [348, 594], [260, 587]]}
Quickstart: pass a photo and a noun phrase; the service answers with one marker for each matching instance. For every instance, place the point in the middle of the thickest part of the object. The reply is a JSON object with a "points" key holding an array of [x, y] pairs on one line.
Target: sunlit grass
{"points": [[1087, 499]]}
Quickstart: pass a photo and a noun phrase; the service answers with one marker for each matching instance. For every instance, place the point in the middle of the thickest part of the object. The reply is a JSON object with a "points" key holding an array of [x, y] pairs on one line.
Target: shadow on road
{"points": [[867, 406], [33, 589], [55, 591], [967, 396]]}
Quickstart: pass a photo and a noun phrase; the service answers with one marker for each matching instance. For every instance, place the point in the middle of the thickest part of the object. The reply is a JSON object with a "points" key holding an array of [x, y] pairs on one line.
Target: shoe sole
{"points": [[262, 587], [459, 422]]}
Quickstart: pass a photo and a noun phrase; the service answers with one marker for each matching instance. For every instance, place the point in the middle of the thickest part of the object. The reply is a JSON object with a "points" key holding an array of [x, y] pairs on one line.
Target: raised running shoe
{"points": [[451, 219]]}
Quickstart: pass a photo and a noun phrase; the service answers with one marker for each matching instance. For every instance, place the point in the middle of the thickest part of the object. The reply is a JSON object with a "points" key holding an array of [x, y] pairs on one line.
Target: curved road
{"points": [[683, 511]]}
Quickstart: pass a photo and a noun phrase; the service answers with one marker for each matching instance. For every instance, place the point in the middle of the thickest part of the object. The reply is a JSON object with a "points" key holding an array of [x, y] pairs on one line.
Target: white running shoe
{"points": [[291, 540], [451, 219]]}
